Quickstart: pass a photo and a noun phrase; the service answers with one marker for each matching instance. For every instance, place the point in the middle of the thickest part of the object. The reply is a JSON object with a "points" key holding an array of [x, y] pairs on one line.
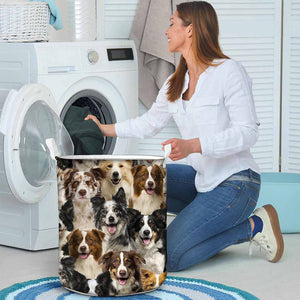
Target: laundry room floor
{"points": [[232, 267]]}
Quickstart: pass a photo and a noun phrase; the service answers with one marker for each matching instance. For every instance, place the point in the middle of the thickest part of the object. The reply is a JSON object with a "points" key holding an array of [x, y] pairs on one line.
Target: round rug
{"points": [[174, 288]]}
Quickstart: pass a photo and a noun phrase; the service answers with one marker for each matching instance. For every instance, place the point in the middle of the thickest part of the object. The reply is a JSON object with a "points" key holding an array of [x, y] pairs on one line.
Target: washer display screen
{"points": [[120, 54]]}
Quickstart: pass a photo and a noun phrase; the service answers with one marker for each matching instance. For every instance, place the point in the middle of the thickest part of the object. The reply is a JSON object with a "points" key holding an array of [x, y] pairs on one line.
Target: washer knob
{"points": [[93, 57]]}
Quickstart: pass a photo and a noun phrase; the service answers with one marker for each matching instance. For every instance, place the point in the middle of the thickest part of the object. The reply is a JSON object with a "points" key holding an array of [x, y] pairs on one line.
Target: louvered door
{"points": [[250, 32], [115, 18], [290, 145]]}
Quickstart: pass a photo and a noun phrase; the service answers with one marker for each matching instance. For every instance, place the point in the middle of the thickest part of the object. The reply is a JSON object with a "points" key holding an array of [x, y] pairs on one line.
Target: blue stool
{"points": [[282, 190]]}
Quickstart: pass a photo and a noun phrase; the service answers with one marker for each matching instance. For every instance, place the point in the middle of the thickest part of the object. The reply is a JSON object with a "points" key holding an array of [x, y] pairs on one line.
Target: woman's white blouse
{"points": [[221, 113]]}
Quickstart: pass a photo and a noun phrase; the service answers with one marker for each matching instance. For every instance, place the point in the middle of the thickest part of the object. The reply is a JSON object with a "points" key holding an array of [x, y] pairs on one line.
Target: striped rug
{"points": [[174, 288]]}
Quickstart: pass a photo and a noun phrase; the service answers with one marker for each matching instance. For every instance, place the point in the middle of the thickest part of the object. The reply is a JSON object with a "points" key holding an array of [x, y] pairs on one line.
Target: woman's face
{"points": [[178, 35]]}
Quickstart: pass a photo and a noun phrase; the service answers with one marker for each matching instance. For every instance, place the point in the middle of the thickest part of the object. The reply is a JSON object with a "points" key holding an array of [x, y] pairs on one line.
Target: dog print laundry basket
{"points": [[112, 223]]}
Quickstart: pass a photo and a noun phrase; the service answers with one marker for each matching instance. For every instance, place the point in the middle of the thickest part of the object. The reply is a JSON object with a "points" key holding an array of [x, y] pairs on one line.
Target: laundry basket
{"points": [[24, 21], [112, 223]]}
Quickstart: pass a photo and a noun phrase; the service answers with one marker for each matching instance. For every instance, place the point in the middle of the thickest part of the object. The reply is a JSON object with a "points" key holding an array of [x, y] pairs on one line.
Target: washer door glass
{"points": [[41, 125]]}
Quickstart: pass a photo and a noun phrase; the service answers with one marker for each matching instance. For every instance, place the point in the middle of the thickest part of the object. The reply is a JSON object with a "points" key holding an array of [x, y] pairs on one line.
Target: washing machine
{"points": [[40, 83]]}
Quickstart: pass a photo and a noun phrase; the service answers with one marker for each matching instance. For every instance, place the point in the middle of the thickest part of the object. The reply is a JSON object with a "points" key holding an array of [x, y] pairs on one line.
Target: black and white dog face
{"points": [[66, 216], [111, 216], [146, 230], [76, 281], [70, 277], [64, 164], [100, 286]]}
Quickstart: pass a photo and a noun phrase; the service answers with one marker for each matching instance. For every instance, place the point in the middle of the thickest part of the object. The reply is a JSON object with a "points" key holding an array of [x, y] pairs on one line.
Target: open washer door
{"points": [[33, 134]]}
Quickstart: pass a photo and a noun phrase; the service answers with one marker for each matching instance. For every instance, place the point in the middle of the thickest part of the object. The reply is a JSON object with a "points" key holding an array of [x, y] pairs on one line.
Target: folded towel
{"points": [[55, 18]]}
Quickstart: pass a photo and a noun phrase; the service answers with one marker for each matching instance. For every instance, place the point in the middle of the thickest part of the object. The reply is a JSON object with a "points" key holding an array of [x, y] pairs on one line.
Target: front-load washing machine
{"points": [[39, 84]]}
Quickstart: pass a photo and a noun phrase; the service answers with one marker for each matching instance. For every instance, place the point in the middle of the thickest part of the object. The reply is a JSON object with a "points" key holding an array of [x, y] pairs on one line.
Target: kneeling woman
{"points": [[210, 98]]}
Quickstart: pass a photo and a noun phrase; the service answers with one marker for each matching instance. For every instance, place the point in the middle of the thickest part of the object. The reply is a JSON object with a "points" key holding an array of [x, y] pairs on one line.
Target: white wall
{"points": [[115, 19], [63, 34]]}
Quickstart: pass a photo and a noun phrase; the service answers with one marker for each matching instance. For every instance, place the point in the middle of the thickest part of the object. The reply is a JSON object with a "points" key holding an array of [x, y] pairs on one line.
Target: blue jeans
{"points": [[206, 223]]}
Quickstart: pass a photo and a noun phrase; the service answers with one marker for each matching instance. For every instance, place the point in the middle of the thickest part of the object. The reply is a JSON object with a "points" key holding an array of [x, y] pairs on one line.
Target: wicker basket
{"points": [[24, 21]]}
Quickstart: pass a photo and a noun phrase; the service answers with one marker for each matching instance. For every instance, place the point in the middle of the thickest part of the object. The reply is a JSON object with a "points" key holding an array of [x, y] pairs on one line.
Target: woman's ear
{"points": [[190, 30]]}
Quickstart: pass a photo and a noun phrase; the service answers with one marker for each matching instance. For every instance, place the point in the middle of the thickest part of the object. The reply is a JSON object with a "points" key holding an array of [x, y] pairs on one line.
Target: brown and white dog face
{"points": [[84, 243], [151, 280], [80, 185], [149, 179], [124, 266], [116, 171]]}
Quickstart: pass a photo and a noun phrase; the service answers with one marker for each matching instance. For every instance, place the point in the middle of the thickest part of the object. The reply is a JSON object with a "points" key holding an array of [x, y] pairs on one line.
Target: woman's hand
{"points": [[94, 118], [106, 130], [182, 148]]}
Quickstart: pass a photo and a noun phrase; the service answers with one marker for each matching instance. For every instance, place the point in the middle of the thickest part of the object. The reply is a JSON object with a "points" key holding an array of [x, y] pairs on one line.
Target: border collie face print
{"points": [[112, 225]]}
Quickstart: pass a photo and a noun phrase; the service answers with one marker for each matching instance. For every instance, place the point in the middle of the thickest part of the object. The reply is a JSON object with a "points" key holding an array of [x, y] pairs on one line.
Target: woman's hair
{"points": [[205, 41]]}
